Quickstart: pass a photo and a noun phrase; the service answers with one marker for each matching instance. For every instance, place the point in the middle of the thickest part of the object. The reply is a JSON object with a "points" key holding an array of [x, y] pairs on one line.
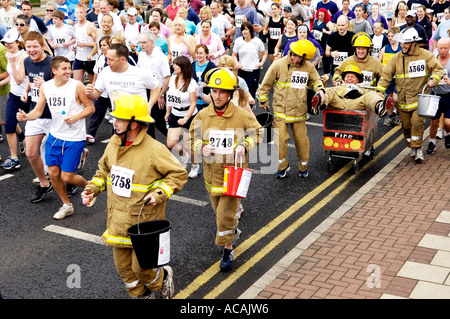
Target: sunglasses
{"points": [[50, 10], [20, 24]]}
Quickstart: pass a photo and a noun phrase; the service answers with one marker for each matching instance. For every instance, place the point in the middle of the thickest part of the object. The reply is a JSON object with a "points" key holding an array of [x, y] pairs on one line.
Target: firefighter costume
{"points": [[351, 97], [290, 82], [146, 167], [223, 130], [412, 71], [371, 67]]}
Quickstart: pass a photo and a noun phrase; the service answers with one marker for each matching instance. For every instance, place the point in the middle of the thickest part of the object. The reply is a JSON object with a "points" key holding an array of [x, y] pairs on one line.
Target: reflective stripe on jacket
{"points": [[156, 171]]}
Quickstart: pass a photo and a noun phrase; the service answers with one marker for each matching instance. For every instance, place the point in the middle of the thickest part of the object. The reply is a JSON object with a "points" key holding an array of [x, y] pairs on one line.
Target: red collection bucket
{"points": [[236, 180]]}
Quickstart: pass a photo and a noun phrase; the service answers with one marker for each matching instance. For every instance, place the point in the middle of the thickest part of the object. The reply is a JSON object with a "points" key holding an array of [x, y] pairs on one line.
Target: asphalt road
{"points": [[42, 258]]}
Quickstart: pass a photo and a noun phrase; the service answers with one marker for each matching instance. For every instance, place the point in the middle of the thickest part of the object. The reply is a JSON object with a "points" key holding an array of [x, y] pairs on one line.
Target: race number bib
{"points": [[416, 69], [238, 20], [121, 180], [222, 141], [375, 51], [340, 58], [367, 77], [318, 35], [274, 33], [34, 92], [299, 79], [174, 100], [59, 41], [175, 53]]}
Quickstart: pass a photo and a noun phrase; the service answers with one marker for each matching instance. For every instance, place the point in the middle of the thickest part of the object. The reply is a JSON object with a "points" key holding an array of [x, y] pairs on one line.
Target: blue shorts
{"points": [[64, 154], [12, 107], [391, 88], [444, 107]]}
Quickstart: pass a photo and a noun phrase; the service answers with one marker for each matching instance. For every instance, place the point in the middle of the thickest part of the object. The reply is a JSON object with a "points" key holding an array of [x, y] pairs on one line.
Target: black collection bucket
{"points": [[151, 242], [265, 120]]}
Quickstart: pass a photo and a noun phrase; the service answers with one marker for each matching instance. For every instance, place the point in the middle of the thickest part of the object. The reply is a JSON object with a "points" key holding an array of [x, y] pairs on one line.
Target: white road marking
{"points": [[5, 176], [74, 233], [189, 200]]}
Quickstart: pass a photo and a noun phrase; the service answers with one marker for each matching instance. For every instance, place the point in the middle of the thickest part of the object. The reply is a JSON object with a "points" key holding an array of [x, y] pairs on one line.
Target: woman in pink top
{"points": [[211, 40], [180, 43]]}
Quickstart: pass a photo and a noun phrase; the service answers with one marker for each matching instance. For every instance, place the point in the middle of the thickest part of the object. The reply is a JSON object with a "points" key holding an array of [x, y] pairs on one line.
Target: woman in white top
{"points": [[18, 82], [181, 102], [246, 52], [180, 43], [400, 14]]}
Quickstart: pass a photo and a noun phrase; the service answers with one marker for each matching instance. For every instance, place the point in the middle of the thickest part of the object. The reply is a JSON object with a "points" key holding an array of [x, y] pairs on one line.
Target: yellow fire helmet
{"points": [[304, 48], [221, 78], [351, 67], [362, 39], [132, 107]]}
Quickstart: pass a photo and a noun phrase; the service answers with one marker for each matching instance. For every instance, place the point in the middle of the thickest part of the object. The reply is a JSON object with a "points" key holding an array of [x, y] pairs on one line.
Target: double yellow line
{"points": [[214, 269]]}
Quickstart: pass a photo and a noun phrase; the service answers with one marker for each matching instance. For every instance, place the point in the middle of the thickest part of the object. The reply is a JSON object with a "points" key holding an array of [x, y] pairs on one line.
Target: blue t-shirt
{"points": [[40, 69], [330, 6], [250, 13]]}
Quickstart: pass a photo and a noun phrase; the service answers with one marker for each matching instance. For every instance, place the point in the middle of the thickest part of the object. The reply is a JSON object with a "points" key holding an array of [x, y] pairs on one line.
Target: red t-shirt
{"points": [[172, 11]]}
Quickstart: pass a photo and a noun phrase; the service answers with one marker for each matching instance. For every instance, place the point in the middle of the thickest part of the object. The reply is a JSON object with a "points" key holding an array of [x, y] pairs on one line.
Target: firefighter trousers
{"points": [[368, 100], [137, 280], [412, 125], [225, 208], [301, 140]]}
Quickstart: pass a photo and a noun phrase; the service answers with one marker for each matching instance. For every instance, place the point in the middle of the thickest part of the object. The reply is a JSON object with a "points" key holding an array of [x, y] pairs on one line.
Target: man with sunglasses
{"points": [[36, 23], [7, 13], [50, 7]]}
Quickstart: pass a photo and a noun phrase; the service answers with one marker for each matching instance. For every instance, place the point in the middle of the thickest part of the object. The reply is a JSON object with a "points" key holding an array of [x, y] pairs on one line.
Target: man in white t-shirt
{"points": [[220, 22], [7, 13], [69, 106], [120, 78], [151, 58]]}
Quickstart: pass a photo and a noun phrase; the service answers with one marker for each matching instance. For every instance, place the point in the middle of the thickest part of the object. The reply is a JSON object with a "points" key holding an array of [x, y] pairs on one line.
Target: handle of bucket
{"points": [[423, 90], [140, 211], [235, 160]]}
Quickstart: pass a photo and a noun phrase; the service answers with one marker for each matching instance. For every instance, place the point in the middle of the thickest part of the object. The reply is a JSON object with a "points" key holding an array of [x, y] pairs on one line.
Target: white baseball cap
{"points": [[411, 13], [132, 11], [11, 36]]}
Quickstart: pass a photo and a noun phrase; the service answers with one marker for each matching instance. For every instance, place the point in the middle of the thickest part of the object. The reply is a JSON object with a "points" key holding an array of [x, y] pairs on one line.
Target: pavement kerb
{"points": [[297, 251]]}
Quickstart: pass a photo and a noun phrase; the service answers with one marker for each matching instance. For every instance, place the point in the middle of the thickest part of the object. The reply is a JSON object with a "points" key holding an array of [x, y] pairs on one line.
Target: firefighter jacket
{"points": [[235, 127], [128, 174], [412, 73], [371, 69], [291, 82]]}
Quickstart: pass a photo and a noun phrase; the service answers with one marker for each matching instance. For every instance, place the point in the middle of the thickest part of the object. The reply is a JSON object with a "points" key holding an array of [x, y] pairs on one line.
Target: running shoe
{"points": [[41, 192], [227, 260], [147, 295], [22, 147], [419, 154], [36, 179], [447, 141], [10, 164], [440, 133], [389, 120], [195, 171], [167, 288], [185, 160], [83, 156], [90, 139], [71, 189], [412, 152], [282, 173], [431, 148], [64, 211], [303, 174]]}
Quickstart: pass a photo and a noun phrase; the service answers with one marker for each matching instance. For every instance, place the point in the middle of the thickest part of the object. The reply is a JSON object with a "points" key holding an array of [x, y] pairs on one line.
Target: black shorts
{"points": [[173, 121], [88, 66]]}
